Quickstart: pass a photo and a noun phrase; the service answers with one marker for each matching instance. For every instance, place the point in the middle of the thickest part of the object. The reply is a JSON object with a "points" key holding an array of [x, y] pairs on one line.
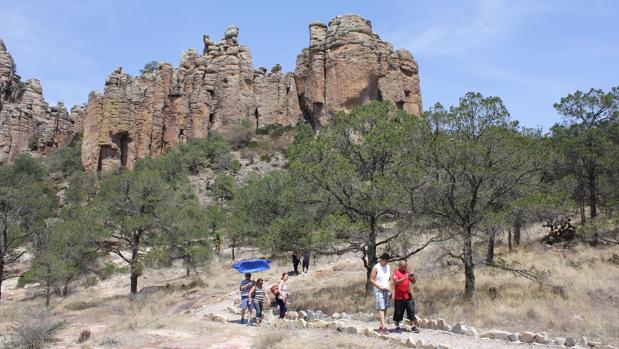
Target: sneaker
{"points": [[414, 329], [398, 330], [242, 321]]}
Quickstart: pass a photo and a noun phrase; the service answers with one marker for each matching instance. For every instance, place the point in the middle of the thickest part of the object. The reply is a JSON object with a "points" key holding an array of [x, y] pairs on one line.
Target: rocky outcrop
{"points": [[347, 65], [27, 122], [215, 90]]}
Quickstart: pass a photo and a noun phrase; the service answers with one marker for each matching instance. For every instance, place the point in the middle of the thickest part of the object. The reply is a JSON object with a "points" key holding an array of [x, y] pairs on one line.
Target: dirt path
{"points": [[448, 339]]}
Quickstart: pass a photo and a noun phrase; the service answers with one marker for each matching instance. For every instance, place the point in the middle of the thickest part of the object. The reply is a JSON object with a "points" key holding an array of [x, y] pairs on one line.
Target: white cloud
{"points": [[456, 31]]}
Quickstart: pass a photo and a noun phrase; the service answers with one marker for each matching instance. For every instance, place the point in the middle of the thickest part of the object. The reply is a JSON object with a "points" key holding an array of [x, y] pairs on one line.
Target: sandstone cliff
{"points": [[27, 122], [216, 90], [345, 65]]}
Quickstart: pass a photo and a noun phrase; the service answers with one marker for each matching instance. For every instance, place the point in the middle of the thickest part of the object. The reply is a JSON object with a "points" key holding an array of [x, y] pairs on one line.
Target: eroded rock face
{"points": [[215, 90], [27, 122], [347, 65]]}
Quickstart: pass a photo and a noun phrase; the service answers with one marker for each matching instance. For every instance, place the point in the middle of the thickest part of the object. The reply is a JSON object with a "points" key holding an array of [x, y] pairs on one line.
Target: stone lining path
{"points": [[427, 338]]}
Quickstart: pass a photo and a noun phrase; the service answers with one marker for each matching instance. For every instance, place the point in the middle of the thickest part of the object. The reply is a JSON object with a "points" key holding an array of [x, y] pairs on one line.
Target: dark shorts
{"points": [[400, 306]]}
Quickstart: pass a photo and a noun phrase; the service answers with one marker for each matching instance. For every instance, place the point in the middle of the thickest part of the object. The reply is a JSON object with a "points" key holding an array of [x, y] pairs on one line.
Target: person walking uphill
{"points": [[306, 261], [295, 263], [282, 297], [403, 298], [257, 296], [246, 303], [380, 278]]}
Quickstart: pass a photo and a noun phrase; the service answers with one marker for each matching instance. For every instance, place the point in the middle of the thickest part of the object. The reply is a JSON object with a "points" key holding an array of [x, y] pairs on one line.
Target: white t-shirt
{"points": [[382, 275]]}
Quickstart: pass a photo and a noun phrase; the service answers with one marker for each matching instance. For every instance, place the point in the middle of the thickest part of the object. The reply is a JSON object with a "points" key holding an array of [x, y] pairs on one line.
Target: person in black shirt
{"points": [[295, 263], [306, 260]]}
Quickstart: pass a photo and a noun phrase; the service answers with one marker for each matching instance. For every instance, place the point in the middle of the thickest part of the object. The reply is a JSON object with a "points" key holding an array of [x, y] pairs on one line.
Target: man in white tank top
{"points": [[380, 278]]}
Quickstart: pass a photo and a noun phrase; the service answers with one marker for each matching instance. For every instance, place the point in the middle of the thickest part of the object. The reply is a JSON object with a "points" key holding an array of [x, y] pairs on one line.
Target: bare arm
{"points": [[373, 280]]}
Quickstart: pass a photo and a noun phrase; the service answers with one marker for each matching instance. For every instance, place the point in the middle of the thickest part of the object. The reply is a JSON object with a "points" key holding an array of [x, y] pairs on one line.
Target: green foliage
{"points": [[34, 330], [235, 166], [342, 186], [273, 130], [65, 250], [265, 158], [27, 199], [149, 67], [223, 187], [66, 160], [475, 164], [587, 147], [241, 134], [189, 158], [33, 142], [145, 218]]}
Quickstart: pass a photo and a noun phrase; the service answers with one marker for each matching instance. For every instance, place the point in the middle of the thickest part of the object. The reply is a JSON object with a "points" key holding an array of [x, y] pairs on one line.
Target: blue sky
{"points": [[528, 52]]}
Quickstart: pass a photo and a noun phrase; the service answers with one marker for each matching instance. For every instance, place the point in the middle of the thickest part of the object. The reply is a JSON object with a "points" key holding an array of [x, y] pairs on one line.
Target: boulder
{"points": [[527, 337], [292, 315], [570, 342], [458, 328], [559, 341], [350, 330], [470, 331], [432, 324], [302, 315], [320, 324], [496, 334], [513, 337], [441, 324], [542, 338]]}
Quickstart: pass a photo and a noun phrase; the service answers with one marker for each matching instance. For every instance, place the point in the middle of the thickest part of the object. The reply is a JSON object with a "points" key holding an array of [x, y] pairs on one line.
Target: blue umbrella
{"points": [[252, 265]]}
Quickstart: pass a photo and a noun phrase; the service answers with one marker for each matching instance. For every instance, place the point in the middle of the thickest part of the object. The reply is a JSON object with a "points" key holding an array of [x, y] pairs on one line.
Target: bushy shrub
{"points": [[241, 134], [273, 130], [33, 142], [66, 160], [149, 67], [33, 330], [265, 157], [235, 166]]}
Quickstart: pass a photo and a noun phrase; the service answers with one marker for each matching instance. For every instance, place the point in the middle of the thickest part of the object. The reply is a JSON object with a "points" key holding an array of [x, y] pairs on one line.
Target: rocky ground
{"points": [[173, 311]]}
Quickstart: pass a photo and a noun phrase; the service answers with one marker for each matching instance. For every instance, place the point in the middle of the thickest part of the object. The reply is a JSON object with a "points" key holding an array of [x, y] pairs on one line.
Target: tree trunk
{"points": [[509, 240], [490, 253], [187, 266], [372, 259], [134, 282], [469, 266], [134, 262], [233, 246], [517, 230], [592, 196], [1, 274], [583, 215]]}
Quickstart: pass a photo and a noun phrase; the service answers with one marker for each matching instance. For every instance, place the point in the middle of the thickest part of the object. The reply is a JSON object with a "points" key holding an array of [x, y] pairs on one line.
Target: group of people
{"points": [[253, 296], [400, 281], [388, 286], [304, 265]]}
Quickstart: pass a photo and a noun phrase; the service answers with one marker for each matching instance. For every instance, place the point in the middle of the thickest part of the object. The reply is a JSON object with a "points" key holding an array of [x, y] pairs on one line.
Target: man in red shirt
{"points": [[403, 299]]}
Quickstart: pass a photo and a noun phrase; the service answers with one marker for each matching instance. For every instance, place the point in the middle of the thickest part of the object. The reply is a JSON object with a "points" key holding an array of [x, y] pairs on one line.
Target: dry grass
{"points": [[281, 339], [588, 307]]}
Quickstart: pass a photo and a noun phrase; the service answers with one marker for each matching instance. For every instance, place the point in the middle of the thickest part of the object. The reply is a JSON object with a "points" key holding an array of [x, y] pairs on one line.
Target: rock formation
{"points": [[27, 122], [215, 90], [347, 65]]}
